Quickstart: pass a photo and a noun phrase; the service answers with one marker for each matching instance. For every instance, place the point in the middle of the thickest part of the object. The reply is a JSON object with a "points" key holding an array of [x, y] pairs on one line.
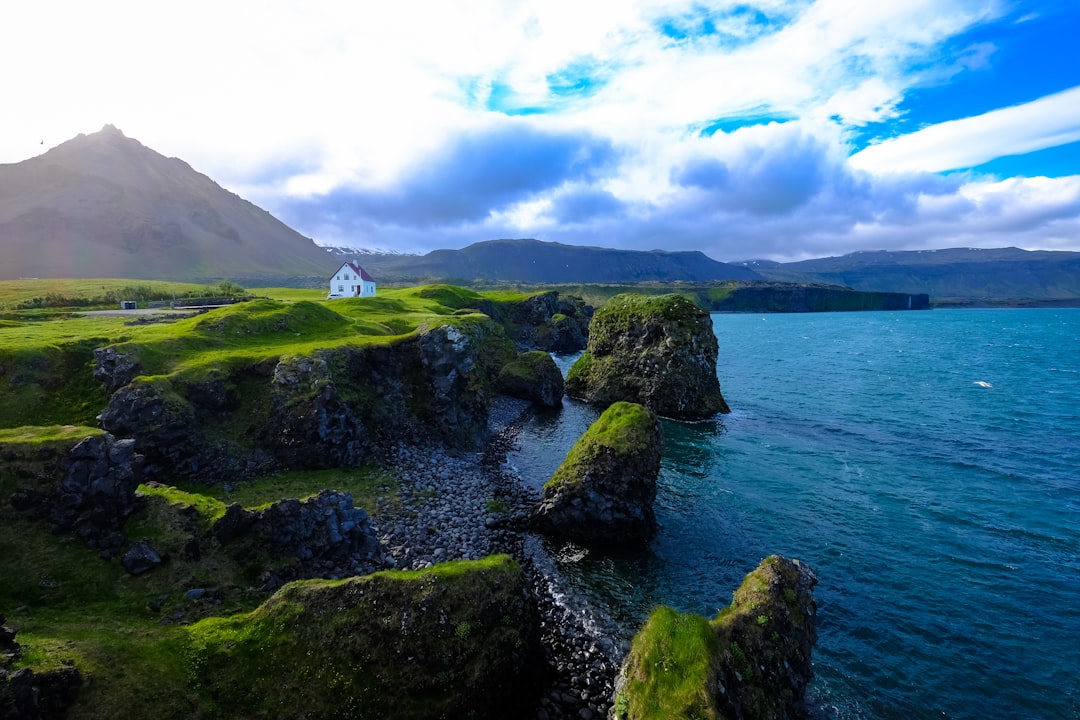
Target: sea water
{"points": [[925, 464]]}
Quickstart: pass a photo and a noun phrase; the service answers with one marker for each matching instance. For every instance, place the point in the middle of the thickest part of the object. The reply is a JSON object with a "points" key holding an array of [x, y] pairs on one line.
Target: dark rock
{"points": [[96, 491], [140, 558], [113, 369], [323, 531], [25, 695], [532, 376], [450, 641], [233, 524], [659, 351], [752, 661], [161, 422], [604, 491]]}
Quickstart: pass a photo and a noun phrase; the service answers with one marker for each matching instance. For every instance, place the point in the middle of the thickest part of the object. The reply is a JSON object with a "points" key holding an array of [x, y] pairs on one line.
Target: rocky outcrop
{"points": [[658, 351], [553, 323], [757, 296], [603, 493], [332, 408], [751, 661], [326, 535], [26, 695], [456, 640], [532, 376], [95, 495], [161, 421], [113, 369]]}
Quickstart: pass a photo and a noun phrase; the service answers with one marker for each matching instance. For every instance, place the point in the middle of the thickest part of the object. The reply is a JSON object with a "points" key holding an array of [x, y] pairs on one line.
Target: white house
{"points": [[351, 280]]}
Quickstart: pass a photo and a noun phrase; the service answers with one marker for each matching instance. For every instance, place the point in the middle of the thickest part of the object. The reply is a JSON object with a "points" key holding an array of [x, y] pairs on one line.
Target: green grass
{"points": [[16, 292], [366, 485], [47, 434], [370, 647], [624, 427], [46, 364], [70, 604], [671, 669]]}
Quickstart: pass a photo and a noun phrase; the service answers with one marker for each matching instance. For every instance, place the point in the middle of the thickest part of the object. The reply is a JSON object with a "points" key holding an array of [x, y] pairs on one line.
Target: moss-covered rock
{"points": [[604, 490], [456, 640], [752, 661], [329, 407], [532, 376], [659, 351]]}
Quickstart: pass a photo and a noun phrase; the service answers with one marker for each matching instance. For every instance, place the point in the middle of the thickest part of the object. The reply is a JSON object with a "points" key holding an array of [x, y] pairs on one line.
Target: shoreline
{"points": [[457, 506]]}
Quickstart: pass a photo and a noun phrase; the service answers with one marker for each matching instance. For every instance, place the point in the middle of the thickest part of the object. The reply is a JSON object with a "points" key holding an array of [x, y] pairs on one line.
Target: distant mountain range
{"points": [[956, 273], [104, 205], [534, 261]]}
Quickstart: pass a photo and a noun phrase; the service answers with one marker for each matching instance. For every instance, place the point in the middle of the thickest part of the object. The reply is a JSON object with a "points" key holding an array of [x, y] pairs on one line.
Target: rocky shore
{"points": [[456, 506]]}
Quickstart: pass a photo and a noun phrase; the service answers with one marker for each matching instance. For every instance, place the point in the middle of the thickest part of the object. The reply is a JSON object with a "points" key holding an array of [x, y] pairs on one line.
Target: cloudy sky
{"points": [[780, 129]]}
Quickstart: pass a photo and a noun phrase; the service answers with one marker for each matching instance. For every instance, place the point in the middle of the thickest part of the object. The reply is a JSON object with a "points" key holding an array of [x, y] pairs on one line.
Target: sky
{"points": [[768, 129]]}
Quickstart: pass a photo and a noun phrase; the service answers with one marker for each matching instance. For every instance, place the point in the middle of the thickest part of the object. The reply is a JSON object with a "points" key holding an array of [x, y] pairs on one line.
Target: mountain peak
{"points": [[105, 205]]}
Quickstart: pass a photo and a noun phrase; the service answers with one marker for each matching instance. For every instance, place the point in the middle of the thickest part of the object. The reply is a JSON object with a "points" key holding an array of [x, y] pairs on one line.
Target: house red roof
{"points": [[364, 275]]}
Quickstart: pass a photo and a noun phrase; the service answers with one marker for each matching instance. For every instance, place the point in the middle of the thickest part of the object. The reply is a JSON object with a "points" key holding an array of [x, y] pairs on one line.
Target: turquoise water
{"points": [[925, 464]]}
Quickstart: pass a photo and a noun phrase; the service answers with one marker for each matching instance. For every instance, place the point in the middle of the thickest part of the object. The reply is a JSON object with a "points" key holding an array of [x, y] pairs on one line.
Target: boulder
{"points": [[751, 661], [533, 376], [455, 640], [546, 321], [113, 369], [140, 558], [95, 493], [659, 351], [603, 492]]}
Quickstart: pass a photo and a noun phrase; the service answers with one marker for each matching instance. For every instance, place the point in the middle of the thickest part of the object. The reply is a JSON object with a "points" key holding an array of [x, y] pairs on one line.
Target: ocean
{"points": [[925, 464]]}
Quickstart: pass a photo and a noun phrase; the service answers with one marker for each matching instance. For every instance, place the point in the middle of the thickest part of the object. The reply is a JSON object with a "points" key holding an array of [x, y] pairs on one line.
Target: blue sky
{"points": [[780, 129]]}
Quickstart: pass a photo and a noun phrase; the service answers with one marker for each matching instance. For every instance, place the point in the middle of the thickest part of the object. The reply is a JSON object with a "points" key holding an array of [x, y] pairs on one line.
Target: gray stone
{"points": [[140, 558]]}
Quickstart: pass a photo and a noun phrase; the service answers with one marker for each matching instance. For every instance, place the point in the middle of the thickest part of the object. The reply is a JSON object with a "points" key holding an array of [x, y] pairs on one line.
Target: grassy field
{"points": [[47, 359], [69, 603]]}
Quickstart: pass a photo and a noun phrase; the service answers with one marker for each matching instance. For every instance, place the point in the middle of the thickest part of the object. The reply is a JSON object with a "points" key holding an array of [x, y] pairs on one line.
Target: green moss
{"points": [[390, 645], [36, 435], [624, 428], [367, 486], [209, 509], [671, 669]]}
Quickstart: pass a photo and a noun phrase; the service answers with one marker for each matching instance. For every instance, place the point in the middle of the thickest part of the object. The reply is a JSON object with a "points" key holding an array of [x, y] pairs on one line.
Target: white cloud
{"points": [[339, 115], [1047, 122]]}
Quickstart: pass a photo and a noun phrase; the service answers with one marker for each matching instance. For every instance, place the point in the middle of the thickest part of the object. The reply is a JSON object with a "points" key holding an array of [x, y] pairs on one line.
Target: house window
{"points": [[346, 276], [341, 288]]}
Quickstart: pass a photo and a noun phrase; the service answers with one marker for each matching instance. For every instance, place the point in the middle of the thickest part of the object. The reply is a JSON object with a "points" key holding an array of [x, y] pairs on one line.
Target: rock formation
{"points": [[26, 695], [751, 661], [95, 493], [456, 640], [326, 535], [332, 408], [532, 376], [553, 323], [604, 491], [658, 351]]}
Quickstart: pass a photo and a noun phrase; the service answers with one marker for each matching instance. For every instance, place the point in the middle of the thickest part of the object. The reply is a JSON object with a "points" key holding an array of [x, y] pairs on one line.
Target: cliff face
{"points": [[331, 408], [801, 297], [456, 640], [658, 351], [603, 493], [752, 661]]}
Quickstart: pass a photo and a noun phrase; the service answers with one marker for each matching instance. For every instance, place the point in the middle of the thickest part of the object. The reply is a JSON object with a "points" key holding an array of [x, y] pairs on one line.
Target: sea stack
{"points": [[659, 351], [751, 661], [603, 493]]}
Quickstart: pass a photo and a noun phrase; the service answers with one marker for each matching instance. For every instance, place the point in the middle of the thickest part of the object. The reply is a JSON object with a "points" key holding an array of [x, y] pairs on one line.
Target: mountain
{"points": [[535, 261], [104, 205], [971, 273]]}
